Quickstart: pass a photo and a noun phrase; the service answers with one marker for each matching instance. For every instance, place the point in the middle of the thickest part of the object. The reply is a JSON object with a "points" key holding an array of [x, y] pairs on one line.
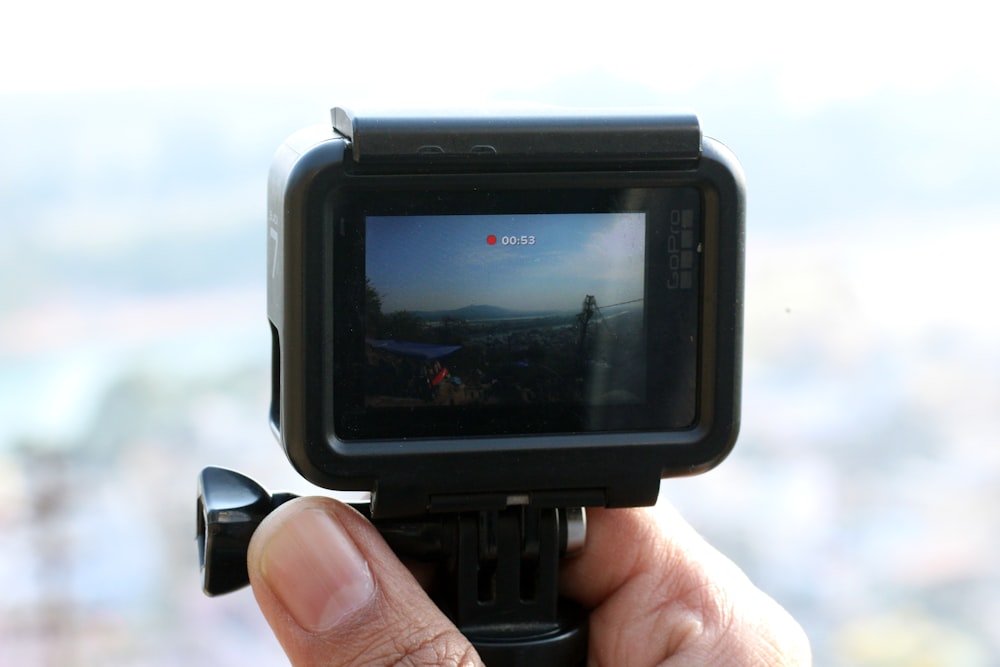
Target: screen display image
{"points": [[505, 310]]}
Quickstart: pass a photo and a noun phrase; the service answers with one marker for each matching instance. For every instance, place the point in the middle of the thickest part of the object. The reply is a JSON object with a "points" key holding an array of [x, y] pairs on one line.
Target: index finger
{"points": [[658, 592]]}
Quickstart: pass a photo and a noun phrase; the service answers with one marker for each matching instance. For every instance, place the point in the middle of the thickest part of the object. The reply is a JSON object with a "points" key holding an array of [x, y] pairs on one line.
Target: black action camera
{"points": [[489, 322], [473, 312]]}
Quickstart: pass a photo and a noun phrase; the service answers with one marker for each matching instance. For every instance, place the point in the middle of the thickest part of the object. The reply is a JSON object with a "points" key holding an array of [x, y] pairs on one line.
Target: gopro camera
{"points": [[490, 323], [476, 312]]}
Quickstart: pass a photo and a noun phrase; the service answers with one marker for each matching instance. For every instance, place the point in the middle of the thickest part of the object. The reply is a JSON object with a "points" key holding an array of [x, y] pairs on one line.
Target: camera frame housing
{"points": [[317, 169]]}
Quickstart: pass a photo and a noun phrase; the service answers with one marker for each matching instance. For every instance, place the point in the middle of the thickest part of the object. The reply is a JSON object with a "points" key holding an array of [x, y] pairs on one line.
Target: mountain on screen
{"points": [[478, 312]]}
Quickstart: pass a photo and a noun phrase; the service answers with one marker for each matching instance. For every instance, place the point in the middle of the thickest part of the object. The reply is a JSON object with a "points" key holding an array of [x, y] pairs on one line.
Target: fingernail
{"points": [[316, 570]]}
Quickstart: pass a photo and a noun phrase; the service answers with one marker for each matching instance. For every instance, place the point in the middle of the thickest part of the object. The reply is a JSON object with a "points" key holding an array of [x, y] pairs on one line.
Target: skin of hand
{"points": [[336, 595]]}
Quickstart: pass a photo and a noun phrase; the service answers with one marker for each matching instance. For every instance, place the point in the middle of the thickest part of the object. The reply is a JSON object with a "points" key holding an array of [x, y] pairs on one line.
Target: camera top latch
{"points": [[628, 138]]}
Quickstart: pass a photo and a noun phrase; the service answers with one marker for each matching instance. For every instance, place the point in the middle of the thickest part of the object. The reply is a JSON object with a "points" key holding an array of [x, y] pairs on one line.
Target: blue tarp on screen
{"points": [[426, 351]]}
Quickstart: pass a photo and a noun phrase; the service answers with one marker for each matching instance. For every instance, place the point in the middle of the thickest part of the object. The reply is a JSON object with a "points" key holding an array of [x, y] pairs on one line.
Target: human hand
{"points": [[336, 595]]}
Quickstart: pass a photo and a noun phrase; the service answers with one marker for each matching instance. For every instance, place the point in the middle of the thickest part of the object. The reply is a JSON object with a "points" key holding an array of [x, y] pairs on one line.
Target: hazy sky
{"points": [[459, 52], [445, 262]]}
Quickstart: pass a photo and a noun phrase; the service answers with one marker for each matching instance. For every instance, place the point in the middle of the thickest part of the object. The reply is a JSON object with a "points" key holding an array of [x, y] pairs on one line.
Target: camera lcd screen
{"points": [[532, 321], [505, 309]]}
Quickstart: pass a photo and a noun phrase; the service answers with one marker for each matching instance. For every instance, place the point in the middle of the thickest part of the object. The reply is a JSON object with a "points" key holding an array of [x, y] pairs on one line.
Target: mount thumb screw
{"points": [[230, 507]]}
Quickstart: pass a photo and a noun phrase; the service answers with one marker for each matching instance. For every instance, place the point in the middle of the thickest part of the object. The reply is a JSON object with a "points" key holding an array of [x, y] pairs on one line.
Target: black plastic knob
{"points": [[230, 507]]}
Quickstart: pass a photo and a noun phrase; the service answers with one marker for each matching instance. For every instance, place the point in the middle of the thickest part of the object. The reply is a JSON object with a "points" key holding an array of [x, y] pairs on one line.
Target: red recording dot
{"points": [[491, 239]]}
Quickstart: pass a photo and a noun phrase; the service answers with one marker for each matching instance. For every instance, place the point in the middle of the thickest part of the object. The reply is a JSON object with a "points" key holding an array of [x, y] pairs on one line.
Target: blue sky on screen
{"points": [[446, 262]]}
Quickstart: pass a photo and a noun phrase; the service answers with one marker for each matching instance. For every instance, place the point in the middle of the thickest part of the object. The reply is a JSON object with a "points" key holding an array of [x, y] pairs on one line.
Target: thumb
{"points": [[335, 594]]}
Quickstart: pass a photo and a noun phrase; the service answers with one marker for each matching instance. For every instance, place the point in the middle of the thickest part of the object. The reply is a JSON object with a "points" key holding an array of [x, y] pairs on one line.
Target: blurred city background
{"points": [[134, 148]]}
